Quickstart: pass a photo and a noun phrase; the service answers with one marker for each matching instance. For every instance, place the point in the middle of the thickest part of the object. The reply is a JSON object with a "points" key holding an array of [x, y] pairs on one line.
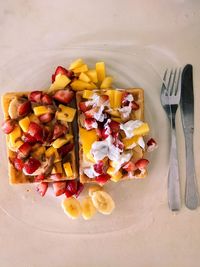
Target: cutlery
{"points": [[170, 98], [187, 115]]}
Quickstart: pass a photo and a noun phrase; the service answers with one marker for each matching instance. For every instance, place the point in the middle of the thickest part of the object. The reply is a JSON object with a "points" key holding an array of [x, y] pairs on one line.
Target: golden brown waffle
{"points": [[17, 177], [138, 95]]}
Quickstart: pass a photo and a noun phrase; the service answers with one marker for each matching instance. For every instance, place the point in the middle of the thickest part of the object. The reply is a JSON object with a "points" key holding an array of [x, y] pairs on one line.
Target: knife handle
{"points": [[191, 190], [174, 200]]}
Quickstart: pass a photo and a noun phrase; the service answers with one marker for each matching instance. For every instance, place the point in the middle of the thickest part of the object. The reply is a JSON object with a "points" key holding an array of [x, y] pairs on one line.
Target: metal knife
{"points": [[187, 115]]}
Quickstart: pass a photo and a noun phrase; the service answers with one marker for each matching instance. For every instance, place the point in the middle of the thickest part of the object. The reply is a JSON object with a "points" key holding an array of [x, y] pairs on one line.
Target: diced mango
{"points": [[93, 75], [40, 110], [118, 99], [116, 119], [82, 68], [60, 82], [88, 94], [87, 138], [18, 143], [76, 64], [101, 71], [84, 77], [50, 151], [106, 83], [57, 168], [24, 124], [59, 142], [14, 135], [33, 118], [68, 169], [80, 85], [66, 113], [131, 141], [39, 151], [142, 130], [111, 94], [115, 176]]}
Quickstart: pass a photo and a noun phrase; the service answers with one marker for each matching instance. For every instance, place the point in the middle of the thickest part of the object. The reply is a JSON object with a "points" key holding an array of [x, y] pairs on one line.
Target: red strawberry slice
{"points": [[134, 105], [18, 164], [114, 126], [61, 70], [28, 138], [90, 123], [83, 107], [42, 188], [31, 165], [36, 131], [47, 99], [103, 178], [59, 188], [64, 96], [24, 150], [129, 167], [59, 130], [141, 164], [71, 188], [35, 96], [53, 77], [39, 177], [24, 108], [64, 150], [8, 126], [151, 145], [45, 118], [99, 167], [56, 176], [125, 102], [102, 133], [90, 113], [80, 188]]}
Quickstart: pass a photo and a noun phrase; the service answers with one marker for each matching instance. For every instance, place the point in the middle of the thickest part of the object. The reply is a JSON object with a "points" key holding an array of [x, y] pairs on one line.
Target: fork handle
{"points": [[191, 189], [174, 199]]}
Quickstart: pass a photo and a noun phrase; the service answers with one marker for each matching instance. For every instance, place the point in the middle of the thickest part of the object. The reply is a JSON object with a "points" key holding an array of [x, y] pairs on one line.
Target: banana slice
{"points": [[71, 207], [103, 202], [13, 108], [94, 188], [88, 209]]}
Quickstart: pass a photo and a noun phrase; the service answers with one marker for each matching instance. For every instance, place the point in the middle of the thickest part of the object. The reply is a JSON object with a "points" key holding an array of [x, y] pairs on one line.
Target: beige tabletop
{"points": [[167, 28]]}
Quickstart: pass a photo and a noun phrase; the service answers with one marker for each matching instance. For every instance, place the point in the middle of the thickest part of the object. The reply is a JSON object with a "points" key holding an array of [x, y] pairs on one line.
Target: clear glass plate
{"points": [[135, 200]]}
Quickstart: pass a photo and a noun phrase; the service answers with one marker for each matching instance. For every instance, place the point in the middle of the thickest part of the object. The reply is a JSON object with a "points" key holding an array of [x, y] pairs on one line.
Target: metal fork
{"points": [[170, 98]]}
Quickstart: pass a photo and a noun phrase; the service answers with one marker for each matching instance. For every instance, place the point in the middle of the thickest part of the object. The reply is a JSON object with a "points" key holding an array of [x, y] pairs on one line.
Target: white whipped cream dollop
{"points": [[90, 172], [130, 126], [124, 157], [125, 111]]}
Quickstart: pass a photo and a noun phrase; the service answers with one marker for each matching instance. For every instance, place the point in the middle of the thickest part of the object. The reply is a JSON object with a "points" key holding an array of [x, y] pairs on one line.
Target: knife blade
{"points": [[187, 115]]}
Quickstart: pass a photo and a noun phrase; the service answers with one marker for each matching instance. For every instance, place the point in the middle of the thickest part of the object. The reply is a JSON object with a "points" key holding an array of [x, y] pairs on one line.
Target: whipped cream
{"points": [[125, 111], [93, 102], [124, 157], [129, 127], [129, 98], [90, 172], [99, 115]]}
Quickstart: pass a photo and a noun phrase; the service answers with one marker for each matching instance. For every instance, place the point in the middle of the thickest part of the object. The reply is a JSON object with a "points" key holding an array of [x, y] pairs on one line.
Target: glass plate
{"points": [[135, 200]]}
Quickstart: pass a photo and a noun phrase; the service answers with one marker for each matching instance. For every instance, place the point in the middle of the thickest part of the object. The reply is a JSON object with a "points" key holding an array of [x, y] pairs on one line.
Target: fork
{"points": [[170, 98]]}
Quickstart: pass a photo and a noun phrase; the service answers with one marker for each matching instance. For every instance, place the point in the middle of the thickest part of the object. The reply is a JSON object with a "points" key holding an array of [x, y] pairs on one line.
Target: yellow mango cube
{"points": [[93, 75], [59, 142], [76, 64], [118, 99], [34, 118], [115, 176], [40, 110], [39, 151], [106, 83], [82, 68], [88, 94], [57, 168], [61, 81], [130, 142], [111, 94], [14, 135], [24, 124], [84, 77], [18, 143], [52, 151], [80, 85], [68, 169], [142, 130], [101, 71], [66, 114]]}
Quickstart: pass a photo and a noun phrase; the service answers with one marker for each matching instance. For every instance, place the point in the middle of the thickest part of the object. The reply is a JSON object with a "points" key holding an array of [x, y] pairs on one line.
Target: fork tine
{"points": [[168, 85], [173, 85], [177, 91], [163, 88]]}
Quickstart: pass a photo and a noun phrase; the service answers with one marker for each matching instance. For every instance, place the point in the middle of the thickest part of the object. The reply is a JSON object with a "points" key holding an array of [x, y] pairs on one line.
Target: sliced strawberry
{"points": [[35, 96], [24, 108], [114, 126], [71, 188], [151, 145], [90, 113], [134, 105], [8, 126], [36, 131], [56, 176], [102, 133], [61, 70], [53, 77], [59, 130], [31, 165], [45, 118], [83, 107], [64, 96], [90, 123], [42, 188], [28, 138], [80, 188], [103, 178], [141, 164], [99, 167], [47, 99], [64, 150], [39, 177], [24, 150], [129, 167], [18, 164], [59, 188]]}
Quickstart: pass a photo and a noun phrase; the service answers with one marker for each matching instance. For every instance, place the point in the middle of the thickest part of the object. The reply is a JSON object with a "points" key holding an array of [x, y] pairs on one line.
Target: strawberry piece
{"points": [[99, 167], [103, 178], [103, 99], [141, 164], [64, 96], [36, 131], [39, 177], [59, 188], [24, 108], [64, 150], [125, 102], [90, 123], [134, 105], [118, 143], [129, 167], [31, 165], [28, 138], [35, 96], [61, 70], [8, 126], [90, 113], [102, 133], [18, 164], [45, 118], [42, 188], [80, 188], [59, 130], [56, 176], [71, 188], [151, 145], [24, 150], [114, 126], [83, 107], [53, 77], [47, 99]]}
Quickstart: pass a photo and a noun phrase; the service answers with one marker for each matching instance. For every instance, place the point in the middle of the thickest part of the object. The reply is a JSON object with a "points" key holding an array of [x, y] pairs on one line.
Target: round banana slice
{"points": [[94, 188], [71, 207], [88, 209], [103, 202], [13, 108]]}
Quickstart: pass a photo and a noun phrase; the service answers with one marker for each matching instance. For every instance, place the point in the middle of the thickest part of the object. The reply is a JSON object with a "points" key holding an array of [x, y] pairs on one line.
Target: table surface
{"points": [[172, 27]]}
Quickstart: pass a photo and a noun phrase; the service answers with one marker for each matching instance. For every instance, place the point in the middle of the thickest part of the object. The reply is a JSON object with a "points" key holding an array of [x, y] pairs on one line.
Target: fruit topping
{"points": [[103, 202], [47, 99], [90, 123], [56, 176], [102, 179], [79, 189], [134, 105], [141, 164], [62, 71], [114, 127], [129, 167], [71, 188], [71, 207], [99, 167], [31, 165], [59, 188], [24, 108], [39, 177], [45, 118], [24, 150], [64, 96], [8, 126], [28, 138], [59, 130], [35, 96], [83, 107], [64, 150], [36, 131], [42, 188], [151, 145], [91, 112], [18, 164]]}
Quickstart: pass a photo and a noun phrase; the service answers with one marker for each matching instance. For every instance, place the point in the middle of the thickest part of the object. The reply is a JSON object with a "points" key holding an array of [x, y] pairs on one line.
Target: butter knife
{"points": [[187, 115]]}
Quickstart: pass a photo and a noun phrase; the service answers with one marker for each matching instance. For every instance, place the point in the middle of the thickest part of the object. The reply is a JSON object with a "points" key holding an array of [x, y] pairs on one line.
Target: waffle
{"points": [[138, 95], [18, 177]]}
